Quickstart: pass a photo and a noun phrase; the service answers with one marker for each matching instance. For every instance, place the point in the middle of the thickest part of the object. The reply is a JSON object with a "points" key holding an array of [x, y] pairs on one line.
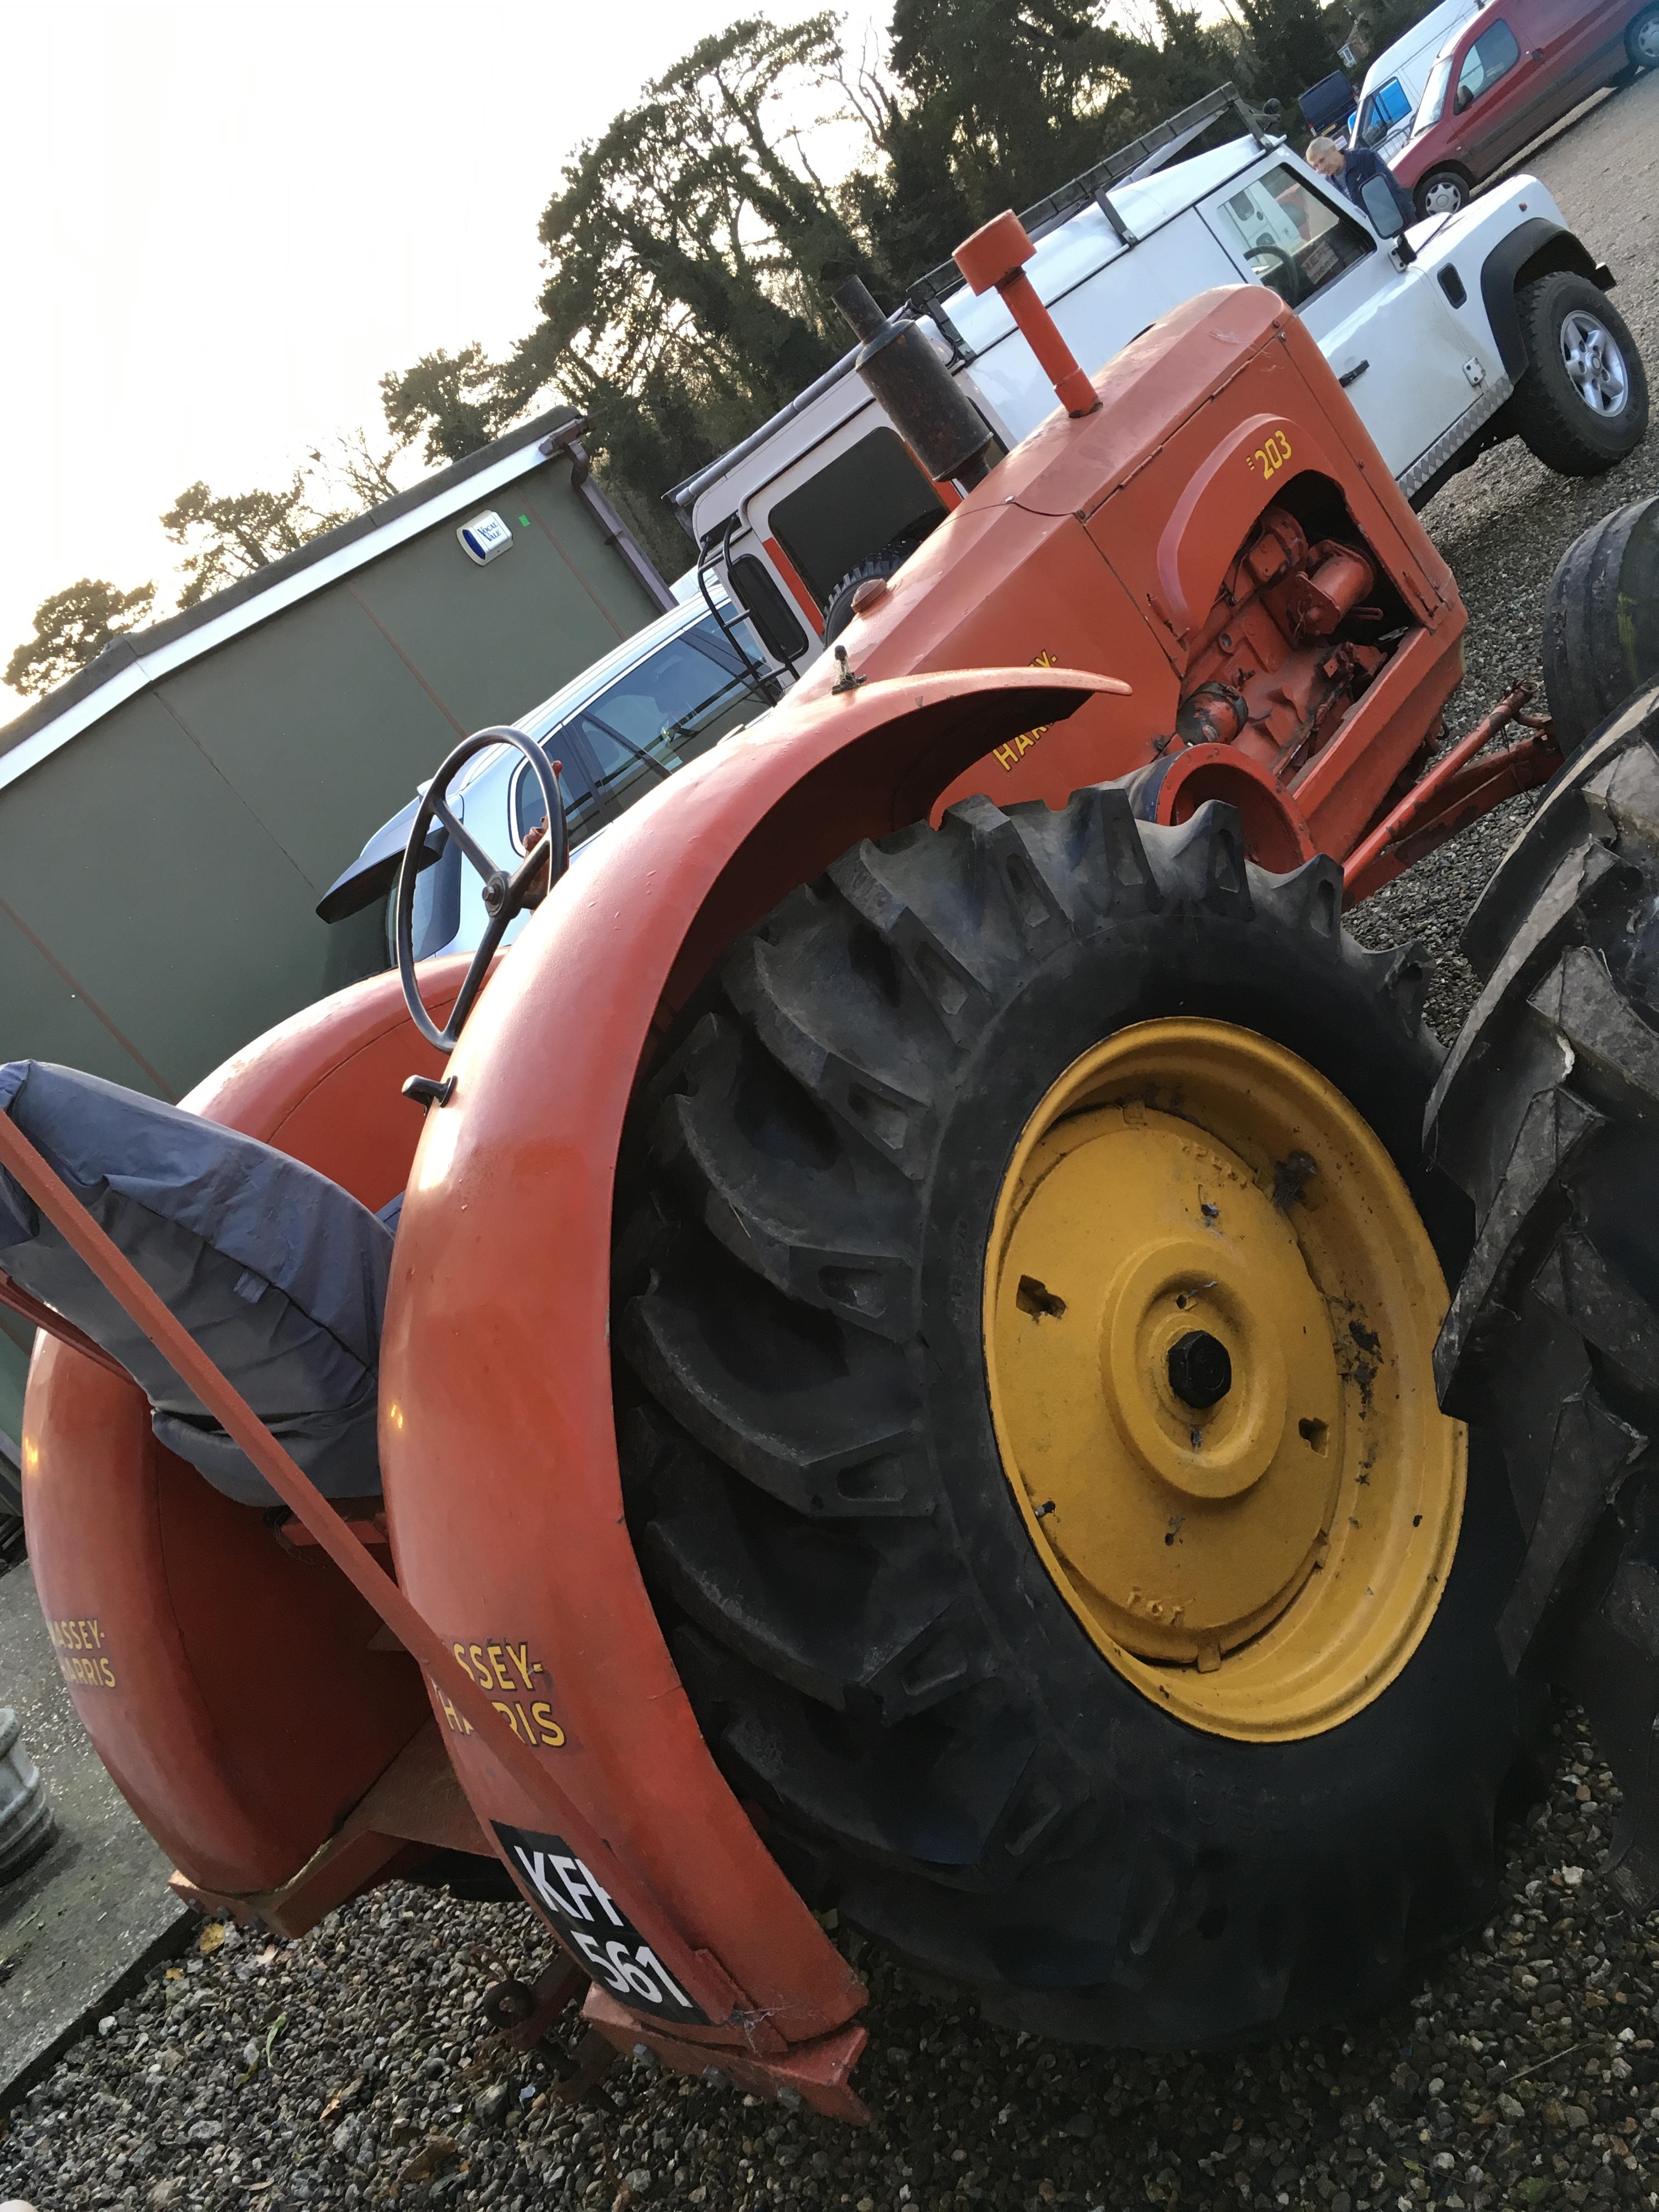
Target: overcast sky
{"points": [[222, 221]]}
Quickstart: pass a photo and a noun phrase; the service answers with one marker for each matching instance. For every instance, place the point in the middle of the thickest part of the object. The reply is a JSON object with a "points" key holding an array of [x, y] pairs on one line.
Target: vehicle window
{"points": [[770, 611], [1493, 54], [1382, 109], [574, 782], [1290, 238], [853, 509], [437, 906], [1434, 96], [649, 721]]}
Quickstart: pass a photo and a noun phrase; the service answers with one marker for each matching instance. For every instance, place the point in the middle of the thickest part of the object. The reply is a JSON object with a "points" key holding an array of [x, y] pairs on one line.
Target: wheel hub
{"points": [[1200, 1369], [1209, 1312], [1595, 364]]}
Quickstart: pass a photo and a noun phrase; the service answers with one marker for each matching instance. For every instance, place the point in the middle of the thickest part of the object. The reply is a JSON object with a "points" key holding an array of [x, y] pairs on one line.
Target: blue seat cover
{"points": [[278, 1273]]}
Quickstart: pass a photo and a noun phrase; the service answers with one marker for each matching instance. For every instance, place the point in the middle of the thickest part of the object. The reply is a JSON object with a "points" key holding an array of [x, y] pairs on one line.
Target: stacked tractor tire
{"points": [[1547, 1115]]}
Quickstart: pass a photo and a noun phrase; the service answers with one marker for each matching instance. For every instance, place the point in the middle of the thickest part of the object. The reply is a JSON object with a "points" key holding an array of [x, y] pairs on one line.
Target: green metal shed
{"points": [[170, 817]]}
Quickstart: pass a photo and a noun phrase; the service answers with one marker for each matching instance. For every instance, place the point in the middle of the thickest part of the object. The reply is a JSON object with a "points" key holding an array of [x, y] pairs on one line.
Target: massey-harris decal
{"points": [[517, 1683], [1007, 756]]}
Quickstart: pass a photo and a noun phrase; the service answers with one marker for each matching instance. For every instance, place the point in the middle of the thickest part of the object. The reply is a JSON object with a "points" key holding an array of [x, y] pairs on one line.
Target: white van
{"points": [[1394, 82]]}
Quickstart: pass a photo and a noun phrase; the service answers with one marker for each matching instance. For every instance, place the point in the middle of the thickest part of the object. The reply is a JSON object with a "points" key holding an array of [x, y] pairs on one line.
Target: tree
{"points": [[1026, 84], [455, 401], [984, 105], [352, 467], [237, 534], [691, 251], [1172, 60], [693, 248], [1291, 49], [71, 629]]}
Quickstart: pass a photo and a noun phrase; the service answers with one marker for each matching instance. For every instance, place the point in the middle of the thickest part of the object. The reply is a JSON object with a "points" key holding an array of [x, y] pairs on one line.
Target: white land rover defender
{"points": [[1448, 337]]}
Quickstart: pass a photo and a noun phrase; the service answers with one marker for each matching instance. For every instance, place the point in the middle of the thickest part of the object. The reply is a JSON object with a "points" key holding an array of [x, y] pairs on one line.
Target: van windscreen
{"points": [[1384, 108]]}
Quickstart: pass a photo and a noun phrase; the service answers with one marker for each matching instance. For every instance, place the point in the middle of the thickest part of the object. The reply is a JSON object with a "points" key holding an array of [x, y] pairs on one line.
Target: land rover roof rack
{"points": [[1140, 158]]}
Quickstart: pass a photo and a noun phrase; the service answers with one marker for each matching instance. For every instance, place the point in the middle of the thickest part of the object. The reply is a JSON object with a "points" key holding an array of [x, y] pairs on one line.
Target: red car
{"points": [[1504, 77]]}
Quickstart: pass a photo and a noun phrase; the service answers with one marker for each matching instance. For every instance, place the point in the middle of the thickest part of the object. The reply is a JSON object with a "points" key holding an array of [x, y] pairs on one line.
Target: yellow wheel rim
{"points": [[1210, 1314]]}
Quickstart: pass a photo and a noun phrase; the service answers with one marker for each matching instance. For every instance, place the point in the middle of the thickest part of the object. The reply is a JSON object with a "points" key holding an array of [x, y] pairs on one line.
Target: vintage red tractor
{"points": [[903, 1380]]}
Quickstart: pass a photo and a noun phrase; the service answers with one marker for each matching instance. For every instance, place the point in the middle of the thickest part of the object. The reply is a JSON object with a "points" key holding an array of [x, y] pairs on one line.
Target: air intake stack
{"points": [[994, 259]]}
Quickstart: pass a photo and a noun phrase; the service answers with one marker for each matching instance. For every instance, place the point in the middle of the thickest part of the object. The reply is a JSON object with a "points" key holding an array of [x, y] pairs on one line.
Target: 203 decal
{"points": [[1271, 454]]}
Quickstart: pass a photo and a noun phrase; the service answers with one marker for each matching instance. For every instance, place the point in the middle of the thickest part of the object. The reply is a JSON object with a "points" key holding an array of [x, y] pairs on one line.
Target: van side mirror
{"points": [[1462, 98], [1377, 199]]}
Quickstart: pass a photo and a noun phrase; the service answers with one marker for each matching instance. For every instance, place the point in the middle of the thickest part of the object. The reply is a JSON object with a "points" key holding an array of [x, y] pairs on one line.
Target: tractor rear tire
{"points": [[1601, 622], [1547, 1114], [876, 1643]]}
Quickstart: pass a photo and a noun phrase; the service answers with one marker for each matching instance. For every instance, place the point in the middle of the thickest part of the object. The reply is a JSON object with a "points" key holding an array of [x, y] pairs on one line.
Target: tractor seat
{"points": [[278, 1273]]}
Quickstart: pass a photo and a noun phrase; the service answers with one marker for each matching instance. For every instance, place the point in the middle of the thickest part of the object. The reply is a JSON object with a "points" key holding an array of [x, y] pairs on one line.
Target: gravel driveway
{"points": [[345, 2069], [1506, 523]]}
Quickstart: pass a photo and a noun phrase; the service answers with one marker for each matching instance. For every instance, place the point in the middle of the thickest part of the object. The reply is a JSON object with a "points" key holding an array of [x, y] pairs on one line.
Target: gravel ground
{"points": [[348, 2069], [1505, 524]]}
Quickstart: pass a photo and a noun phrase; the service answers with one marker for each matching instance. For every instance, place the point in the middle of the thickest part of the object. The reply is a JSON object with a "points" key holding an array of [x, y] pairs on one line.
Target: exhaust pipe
{"points": [[994, 259], [928, 409]]}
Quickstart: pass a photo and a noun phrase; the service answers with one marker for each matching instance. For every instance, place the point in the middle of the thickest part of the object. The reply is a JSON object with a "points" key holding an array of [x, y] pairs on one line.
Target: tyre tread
{"points": [[1554, 1329], [845, 1661]]}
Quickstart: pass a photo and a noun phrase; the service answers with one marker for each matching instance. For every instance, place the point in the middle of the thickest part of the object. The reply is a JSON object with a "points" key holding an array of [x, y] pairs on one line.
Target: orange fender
{"points": [[497, 1432]]}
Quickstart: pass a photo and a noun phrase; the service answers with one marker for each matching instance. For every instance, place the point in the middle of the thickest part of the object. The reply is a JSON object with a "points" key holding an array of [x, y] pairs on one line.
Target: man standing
{"points": [[1354, 170]]}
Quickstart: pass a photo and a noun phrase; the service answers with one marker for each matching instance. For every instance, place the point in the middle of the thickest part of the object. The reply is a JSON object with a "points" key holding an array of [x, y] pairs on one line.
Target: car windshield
{"points": [[1434, 96], [646, 722], [1382, 110]]}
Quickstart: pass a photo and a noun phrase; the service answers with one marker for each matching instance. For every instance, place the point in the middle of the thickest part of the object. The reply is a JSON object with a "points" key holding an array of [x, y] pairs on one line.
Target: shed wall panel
{"points": [[487, 639], [317, 725], [45, 1014], [561, 517], [151, 879], [169, 857]]}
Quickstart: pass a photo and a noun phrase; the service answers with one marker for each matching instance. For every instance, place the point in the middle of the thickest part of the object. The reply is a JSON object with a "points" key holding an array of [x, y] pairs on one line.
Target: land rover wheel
{"points": [[1581, 403], [1025, 1290], [842, 606]]}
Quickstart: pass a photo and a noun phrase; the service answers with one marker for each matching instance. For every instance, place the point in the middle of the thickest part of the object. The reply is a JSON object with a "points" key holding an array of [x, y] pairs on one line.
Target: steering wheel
{"points": [[504, 896], [1268, 264]]}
